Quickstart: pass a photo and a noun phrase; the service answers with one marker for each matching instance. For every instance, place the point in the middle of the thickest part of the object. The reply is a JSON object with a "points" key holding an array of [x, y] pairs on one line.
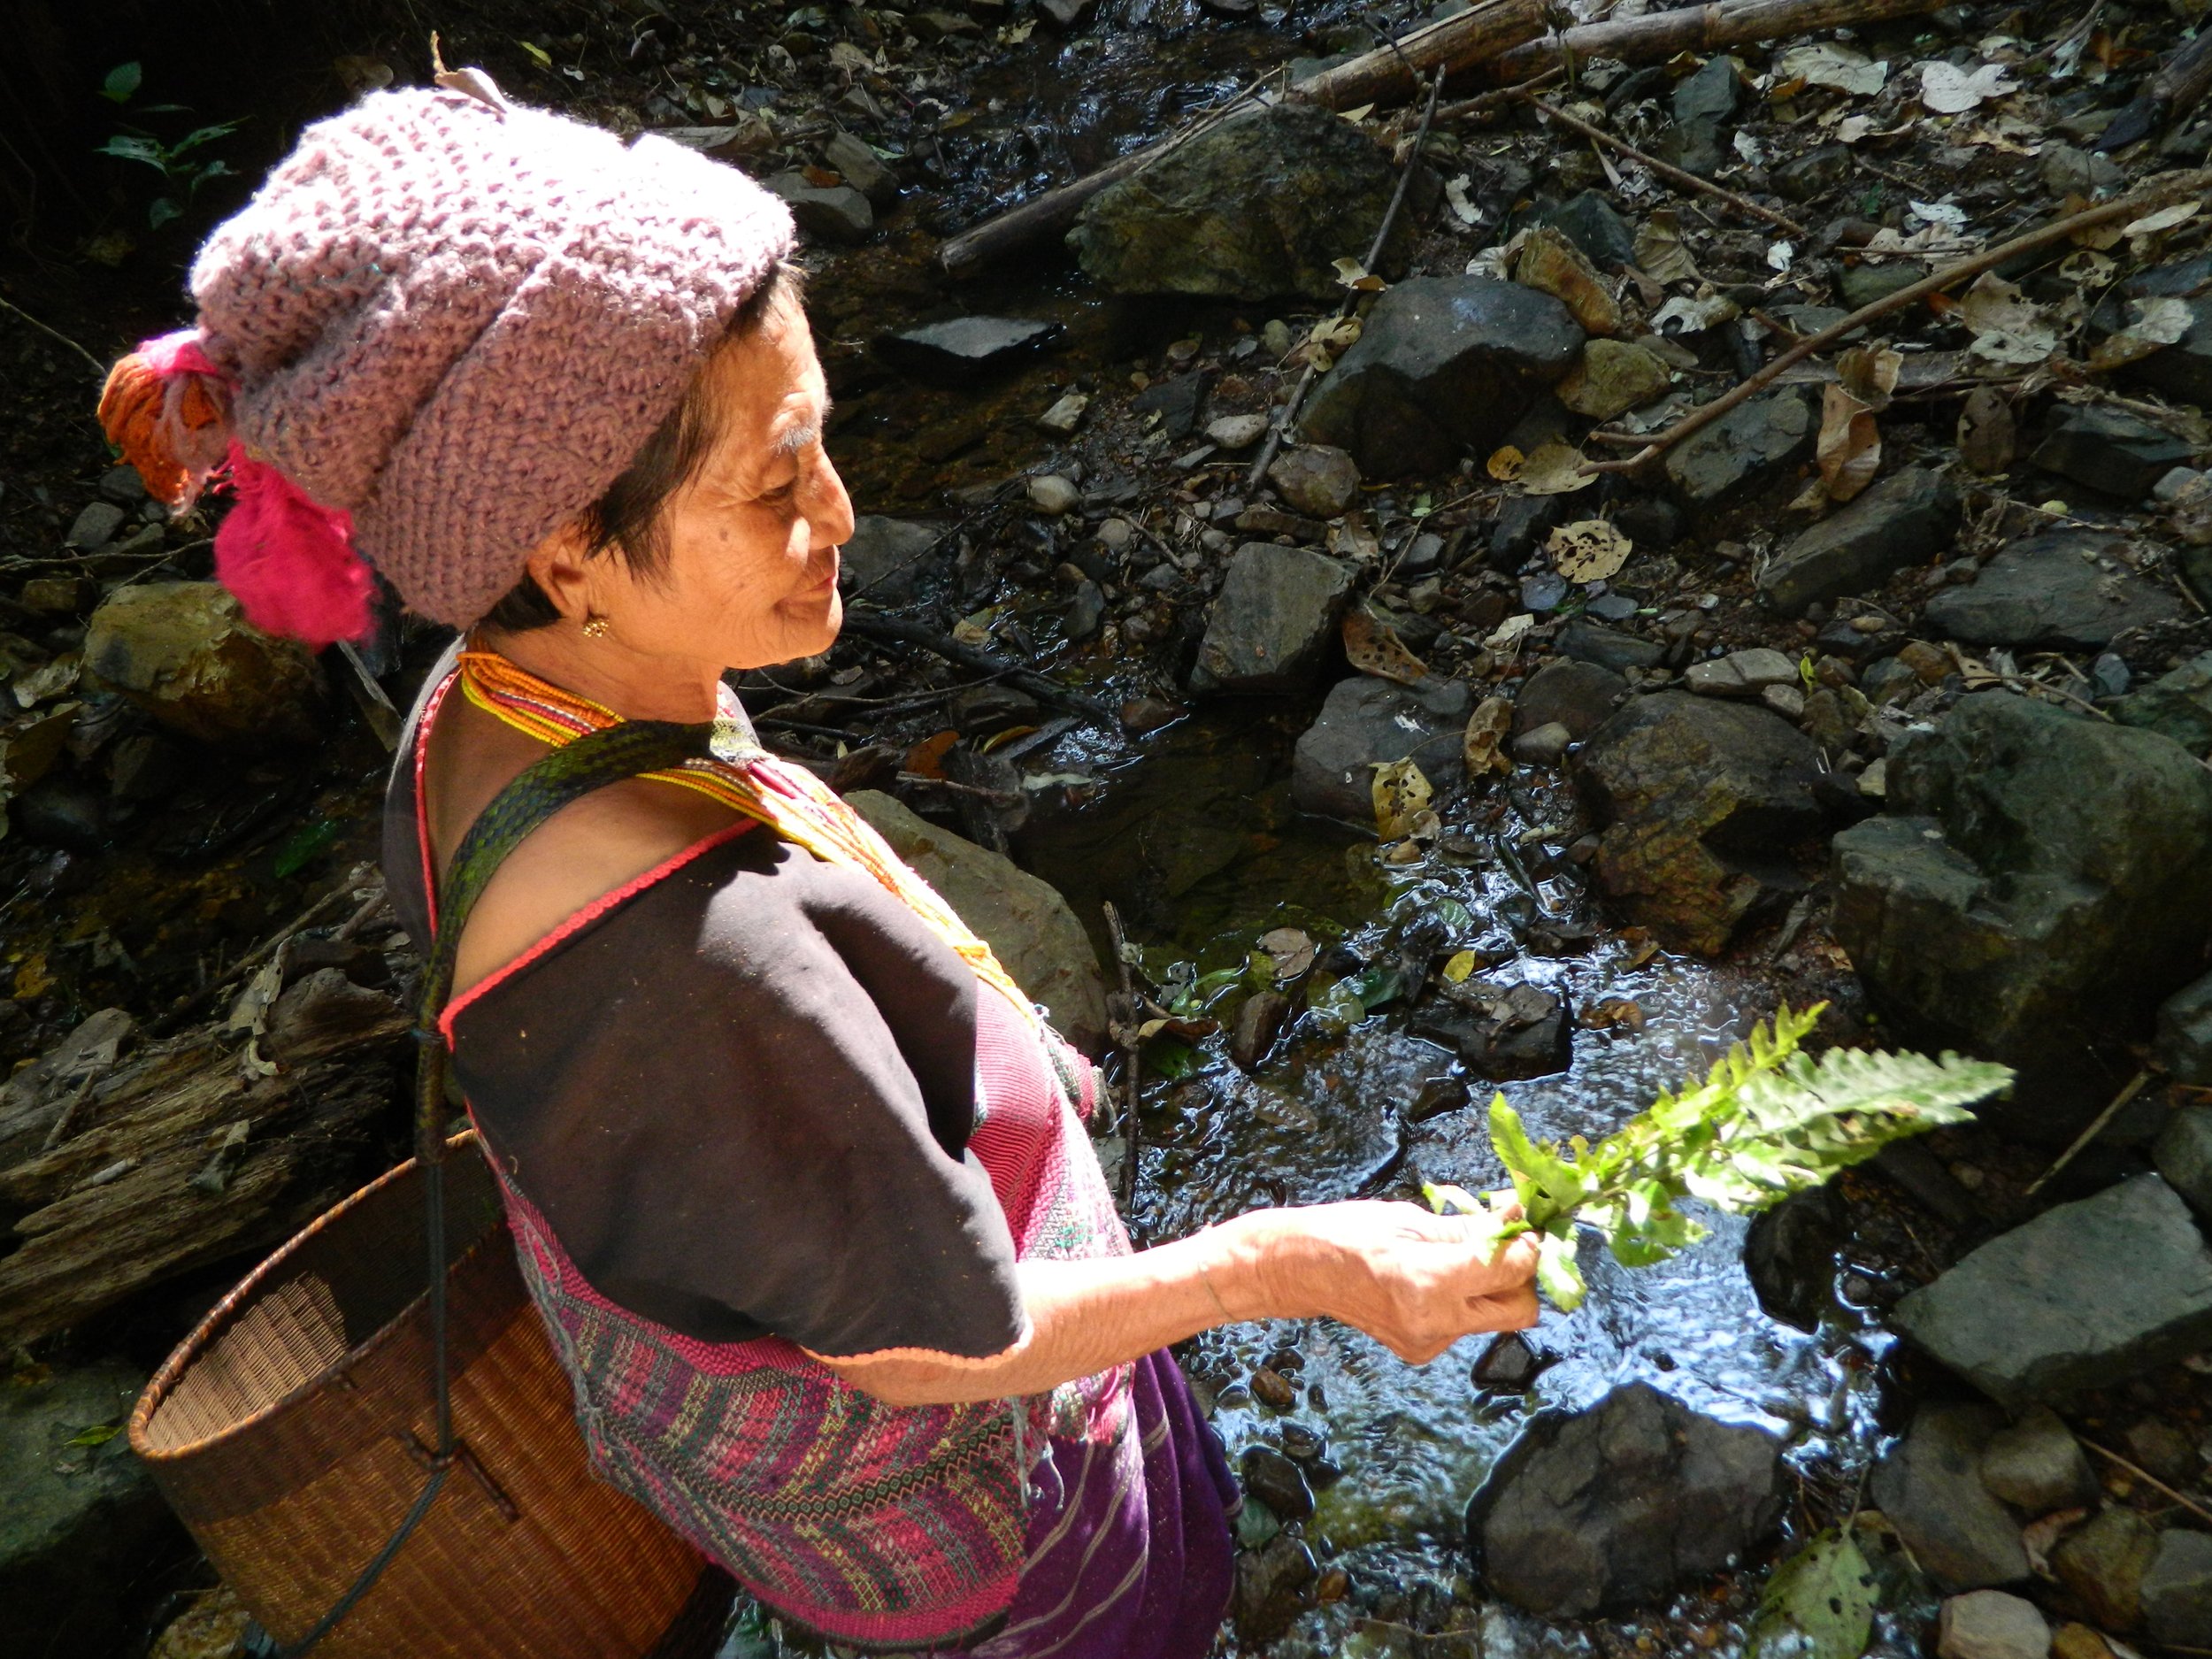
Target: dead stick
{"points": [[1672, 175], [2149, 1480], [2134, 1087], [2088, 219], [1499, 98], [1131, 1063], [1658, 35], [1374, 254], [1392, 71]]}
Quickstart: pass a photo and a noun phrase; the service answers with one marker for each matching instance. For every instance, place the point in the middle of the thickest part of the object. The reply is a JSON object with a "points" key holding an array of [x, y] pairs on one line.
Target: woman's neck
{"points": [[635, 686]]}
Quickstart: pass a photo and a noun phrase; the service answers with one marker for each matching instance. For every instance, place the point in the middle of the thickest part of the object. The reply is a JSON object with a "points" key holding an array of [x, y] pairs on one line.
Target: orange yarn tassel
{"points": [[166, 414], [130, 414]]}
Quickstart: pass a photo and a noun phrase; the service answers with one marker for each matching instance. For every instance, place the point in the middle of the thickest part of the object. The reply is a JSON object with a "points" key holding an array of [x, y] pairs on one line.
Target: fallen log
{"points": [[1658, 35]]}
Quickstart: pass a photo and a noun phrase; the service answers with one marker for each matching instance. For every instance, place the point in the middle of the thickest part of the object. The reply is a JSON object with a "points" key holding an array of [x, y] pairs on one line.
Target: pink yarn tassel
{"points": [[289, 559]]}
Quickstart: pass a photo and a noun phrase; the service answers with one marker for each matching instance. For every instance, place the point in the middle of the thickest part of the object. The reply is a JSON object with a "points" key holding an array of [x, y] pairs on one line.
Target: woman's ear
{"points": [[565, 571]]}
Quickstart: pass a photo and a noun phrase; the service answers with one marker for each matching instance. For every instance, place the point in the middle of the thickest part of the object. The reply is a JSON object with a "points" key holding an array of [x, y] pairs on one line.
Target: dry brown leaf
{"points": [[1487, 729], [1505, 464], [1589, 551], [1551, 265], [1556, 469], [1987, 439], [1505, 639], [1849, 448], [1291, 949], [1401, 791], [2158, 324], [2007, 326], [1372, 647], [1660, 251]]}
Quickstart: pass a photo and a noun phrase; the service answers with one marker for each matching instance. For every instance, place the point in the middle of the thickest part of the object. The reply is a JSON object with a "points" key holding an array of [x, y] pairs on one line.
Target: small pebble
{"points": [[1066, 415], [1051, 494], [1273, 1390]]}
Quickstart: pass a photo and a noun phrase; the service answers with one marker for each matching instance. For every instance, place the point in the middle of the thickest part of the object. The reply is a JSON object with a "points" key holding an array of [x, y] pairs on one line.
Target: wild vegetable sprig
{"points": [[1768, 1121]]}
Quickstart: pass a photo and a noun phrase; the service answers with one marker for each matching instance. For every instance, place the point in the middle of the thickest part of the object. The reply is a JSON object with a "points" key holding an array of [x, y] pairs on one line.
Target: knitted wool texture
{"points": [[459, 323]]}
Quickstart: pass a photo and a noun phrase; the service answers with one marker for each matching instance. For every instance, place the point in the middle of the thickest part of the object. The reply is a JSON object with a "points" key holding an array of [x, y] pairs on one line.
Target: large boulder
{"points": [[1929, 1486], [1274, 620], [1262, 205], [1365, 722], [1748, 446], [1701, 800], [1616, 1505], [184, 653], [2065, 589], [1904, 519], [1442, 364], [2039, 879], [1025, 920], [2085, 1296], [81, 1516]]}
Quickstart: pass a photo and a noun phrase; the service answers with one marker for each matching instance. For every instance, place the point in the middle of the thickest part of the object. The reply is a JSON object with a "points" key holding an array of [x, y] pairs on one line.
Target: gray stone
{"points": [[836, 213], [1271, 1588], [1545, 591], [2037, 880], [2104, 1563], [2185, 1033], [887, 558], [2052, 590], [1990, 1624], [1545, 745], [1889, 680], [1742, 673], [1365, 721], [965, 350], [2176, 705], [80, 1522], [184, 653], [2183, 1153], [2066, 171], [1929, 1487], [1054, 496], [1085, 611], [1816, 173], [1858, 286], [865, 171], [1701, 800], [123, 486], [1905, 518], [1276, 1482], [1695, 145], [1262, 205], [1274, 621], [1578, 696], [2177, 1590], [95, 526], [2037, 1465], [1589, 220], [1745, 448], [1711, 93], [1616, 1504], [1588, 642], [1316, 478], [2085, 1296], [2183, 371], [1025, 920], [1522, 521], [2107, 449], [1442, 364], [1175, 400]]}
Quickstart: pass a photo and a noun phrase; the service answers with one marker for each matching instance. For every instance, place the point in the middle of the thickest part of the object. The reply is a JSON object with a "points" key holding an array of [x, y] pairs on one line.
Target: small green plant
{"points": [[183, 169], [1768, 1121]]}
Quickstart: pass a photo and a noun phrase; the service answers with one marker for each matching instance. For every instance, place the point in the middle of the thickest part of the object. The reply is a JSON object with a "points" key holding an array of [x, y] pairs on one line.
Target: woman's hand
{"points": [[1412, 1280]]}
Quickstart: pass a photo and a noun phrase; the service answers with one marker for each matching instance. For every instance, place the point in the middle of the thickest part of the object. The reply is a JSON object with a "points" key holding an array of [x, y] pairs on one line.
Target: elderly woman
{"points": [[795, 1170]]}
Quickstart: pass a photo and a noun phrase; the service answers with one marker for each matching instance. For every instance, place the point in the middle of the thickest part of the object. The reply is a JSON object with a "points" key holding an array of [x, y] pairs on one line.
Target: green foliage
{"points": [[1818, 1604], [183, 170], [1768, 1121]]}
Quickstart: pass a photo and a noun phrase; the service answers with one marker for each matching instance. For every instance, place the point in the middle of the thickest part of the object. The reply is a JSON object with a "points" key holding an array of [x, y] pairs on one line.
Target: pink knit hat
{"points": [[437, 333]]}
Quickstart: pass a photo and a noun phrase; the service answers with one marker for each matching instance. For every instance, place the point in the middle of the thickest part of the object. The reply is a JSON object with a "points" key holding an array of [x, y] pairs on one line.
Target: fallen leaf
{"points": [[1849, 449], [846, 55], [1463, 206], [2158, 324], [2165, 218], [926, 758], [1692, 316], [1352, 537], [1987, 439], [1817, 1604], [2007, 326], [1950, 216], [1505, 464], [2040, 1536], [1462, 964], [1780, 254], [1506, 637], [1487, 729], [1589, 551], [1556, 469], [1613, 1013], [1291, 951], [2085, 267], [538, 54], [1828, 65], [1372, 647], [1641, 946], [1661, 253], [1947, 89], [1352, 274], [1399, 791], [1331, 339], [1551, 265]]}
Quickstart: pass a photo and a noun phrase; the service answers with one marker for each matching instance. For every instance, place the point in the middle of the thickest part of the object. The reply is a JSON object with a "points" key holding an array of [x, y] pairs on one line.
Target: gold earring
{"points": [[596, 627]]}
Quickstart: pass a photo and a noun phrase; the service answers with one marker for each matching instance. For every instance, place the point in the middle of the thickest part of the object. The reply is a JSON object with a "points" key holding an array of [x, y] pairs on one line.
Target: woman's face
{"points": [[750, 578]]}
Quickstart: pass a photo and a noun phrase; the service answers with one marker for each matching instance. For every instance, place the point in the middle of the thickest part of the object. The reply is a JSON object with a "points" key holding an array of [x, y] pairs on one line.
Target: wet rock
{"points": [[1616, 1504], [1365, 721], [95, 526], [1509, 1365], [2037, 1465], [2036, 881], [2067, 589], [1260, 206], [836, 213], [1586, 641], [123, 486], [80, 1521], [1551, 264], [1272, 1586], [1613, 377], [1903, 520], [1259, 1020], [1545, 745], [1274, 1390], [1814, 174], [2176, 705], [1701, 800], [1442, 364], [1711, 93], [966, 349], [887, 558], [2085, 1296], [862, 169], [1503, 1033], [183, 653], [1789, 1255], [1929, 1486], [1273, 622], [1085, 611], [2177, 1590], [1745, 448], [1175, 400], [1990, 1624], [2104, 1564], [1316, 478], [1742, 674], [2107, 449], [1276, 1482], [2185, 1033], [1575, 694], [1024, 921], [2183, 1154], [1589, 221]]}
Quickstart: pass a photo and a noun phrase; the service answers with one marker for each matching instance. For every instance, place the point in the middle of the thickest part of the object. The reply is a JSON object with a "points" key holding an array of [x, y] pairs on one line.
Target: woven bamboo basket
{"points": [[289, 1432]]}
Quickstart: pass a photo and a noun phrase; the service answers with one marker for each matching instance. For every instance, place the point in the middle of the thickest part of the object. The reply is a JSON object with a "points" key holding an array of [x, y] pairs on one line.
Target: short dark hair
{"points": [[629, 518]]}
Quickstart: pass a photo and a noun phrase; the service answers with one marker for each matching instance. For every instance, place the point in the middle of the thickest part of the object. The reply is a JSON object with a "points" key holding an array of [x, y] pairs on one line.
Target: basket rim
{"points": [[201, 1338]]}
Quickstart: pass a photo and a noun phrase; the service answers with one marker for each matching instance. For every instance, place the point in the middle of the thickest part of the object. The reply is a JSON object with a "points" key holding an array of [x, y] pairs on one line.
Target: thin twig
{"points": [[2067, 224], [868, 625], [1672, 175], [2134, 1087], [98, 367], [2152, 1481], [1289, 415], [1485, 103], [1124, 1031]]}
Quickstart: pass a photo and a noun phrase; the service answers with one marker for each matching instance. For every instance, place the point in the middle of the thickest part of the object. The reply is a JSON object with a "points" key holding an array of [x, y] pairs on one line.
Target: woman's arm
{"points": [[1407, 1277]]}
